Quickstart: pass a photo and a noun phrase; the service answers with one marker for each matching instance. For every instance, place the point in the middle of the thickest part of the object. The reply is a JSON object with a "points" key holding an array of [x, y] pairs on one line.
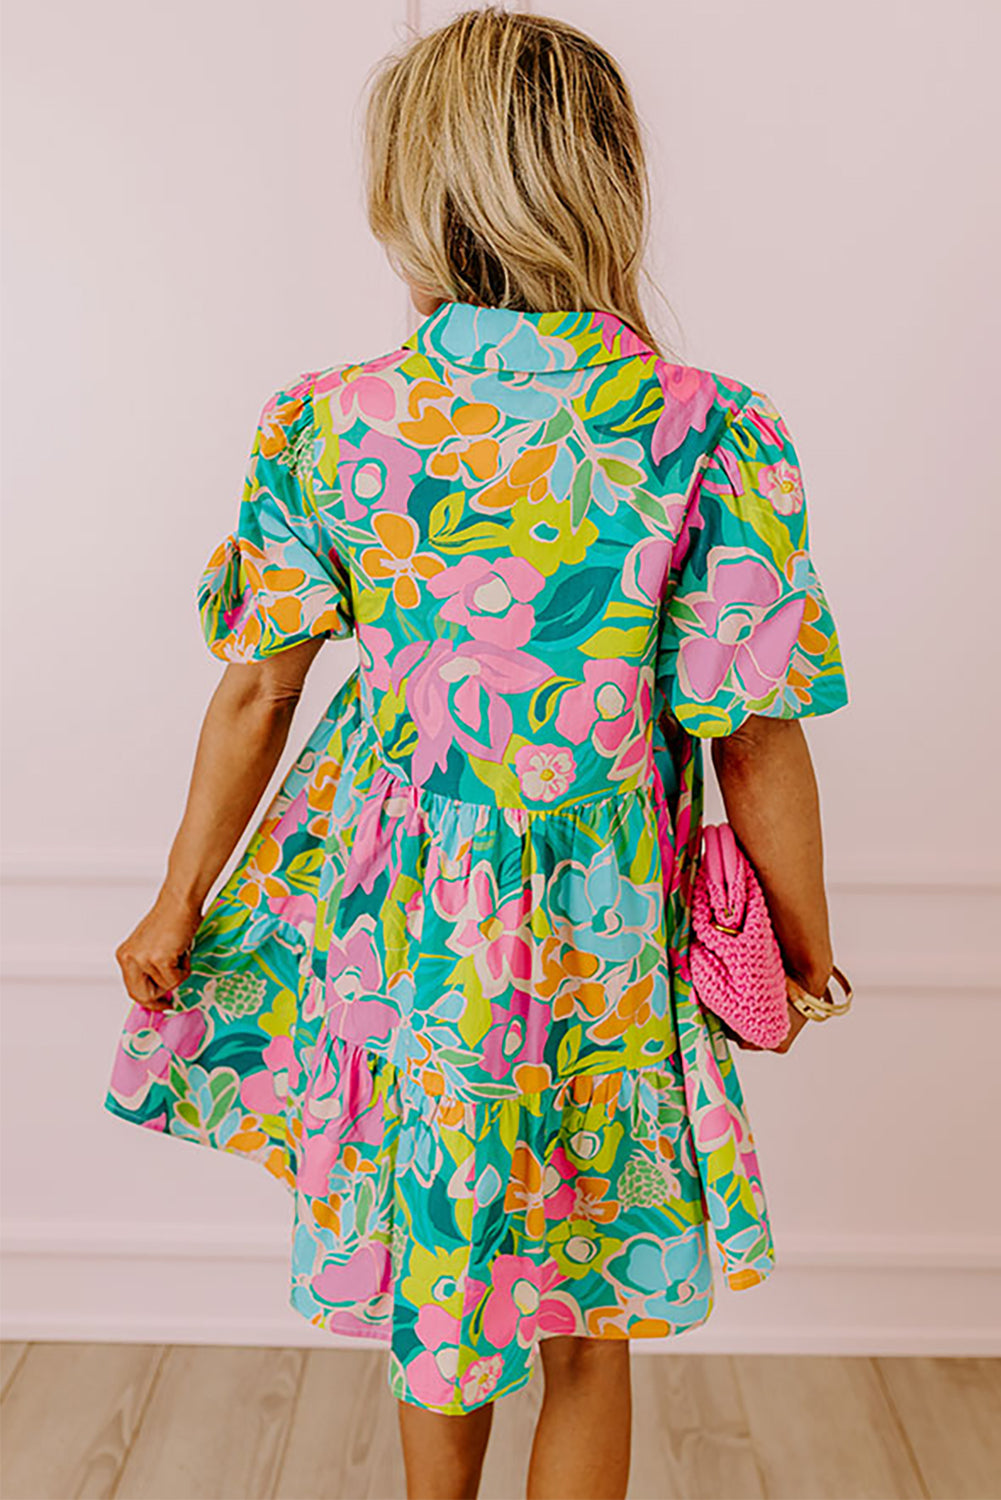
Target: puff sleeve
{"points": [[277, 579], [746, 626]]}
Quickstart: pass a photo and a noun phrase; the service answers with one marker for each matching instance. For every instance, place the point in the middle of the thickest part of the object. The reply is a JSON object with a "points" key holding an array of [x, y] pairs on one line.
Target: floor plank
{"points": [[137, 1422], [343, 1437], [690, 1431], [11, 1355], [69, 1416], [951, 1412], [216, 1425], [823, 1428]]}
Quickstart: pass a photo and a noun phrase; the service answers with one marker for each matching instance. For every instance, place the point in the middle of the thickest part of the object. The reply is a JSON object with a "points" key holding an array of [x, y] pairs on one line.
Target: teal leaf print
{"points": [[575, 603]]}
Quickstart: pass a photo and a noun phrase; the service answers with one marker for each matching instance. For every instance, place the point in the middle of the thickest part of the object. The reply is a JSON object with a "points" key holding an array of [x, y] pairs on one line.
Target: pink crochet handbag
{"points": [[736, 964]]}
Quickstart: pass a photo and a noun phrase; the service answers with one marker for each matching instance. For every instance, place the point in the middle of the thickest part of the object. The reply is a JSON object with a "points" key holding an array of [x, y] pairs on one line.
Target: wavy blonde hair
{"points": [[504, 166]]}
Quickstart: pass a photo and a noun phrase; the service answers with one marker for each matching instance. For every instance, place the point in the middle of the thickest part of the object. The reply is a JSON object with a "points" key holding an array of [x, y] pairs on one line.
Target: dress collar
{"points": [[503, 338]]}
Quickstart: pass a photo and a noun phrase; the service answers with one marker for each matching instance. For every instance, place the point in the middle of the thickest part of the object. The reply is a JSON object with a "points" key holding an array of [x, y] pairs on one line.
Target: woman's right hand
{"points": [[796, 1023], [156, 955], [797, 1020]]}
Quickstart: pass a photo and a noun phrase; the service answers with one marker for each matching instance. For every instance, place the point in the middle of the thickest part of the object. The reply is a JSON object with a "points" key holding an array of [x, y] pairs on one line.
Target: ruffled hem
{"points": [[465, 1228]]}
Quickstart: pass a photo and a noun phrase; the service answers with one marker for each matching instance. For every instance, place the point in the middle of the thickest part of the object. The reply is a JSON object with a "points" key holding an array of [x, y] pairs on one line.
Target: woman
{"points": [[444, 996]]}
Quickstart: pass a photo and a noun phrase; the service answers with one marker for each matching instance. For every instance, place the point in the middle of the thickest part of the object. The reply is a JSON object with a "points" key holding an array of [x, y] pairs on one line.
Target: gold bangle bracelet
{"points": [[820, 1007]]}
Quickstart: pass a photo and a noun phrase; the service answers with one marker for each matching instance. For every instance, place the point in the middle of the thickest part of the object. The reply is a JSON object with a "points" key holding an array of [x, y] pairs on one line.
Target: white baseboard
{"points": [[166, 1283]]}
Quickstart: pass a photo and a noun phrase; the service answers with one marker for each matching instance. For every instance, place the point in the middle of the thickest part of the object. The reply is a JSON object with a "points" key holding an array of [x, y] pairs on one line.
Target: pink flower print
{"points": [[558, 1313], [744, 627], [151, 1040], [544, 771], [512, 1309], [431, 1375], [520, 1289], [605, 699], [517, 1035], [689, 395], [377, 472], [494, 933], [336, 1111], [481, 1378], [375, 829], [473, 1294], [613, 705], [558, 1189], [354, 986], [490, 598], [266, 1092], [375, 648], [413, 910], [619, 338], [368, 395], [456, 694], [782, 484], [358, 1281], [648, 562]]}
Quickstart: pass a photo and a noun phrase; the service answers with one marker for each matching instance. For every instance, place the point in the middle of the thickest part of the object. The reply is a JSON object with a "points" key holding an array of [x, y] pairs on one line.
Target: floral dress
{"points": [[444, 995]]}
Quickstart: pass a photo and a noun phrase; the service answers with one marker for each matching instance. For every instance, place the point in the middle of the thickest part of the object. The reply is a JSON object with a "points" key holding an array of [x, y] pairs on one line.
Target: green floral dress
{"points": [[444, 995]]}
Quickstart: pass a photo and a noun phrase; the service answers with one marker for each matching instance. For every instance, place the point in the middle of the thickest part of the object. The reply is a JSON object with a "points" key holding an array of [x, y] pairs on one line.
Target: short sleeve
{"points": [[277, 579], [746, 626]]}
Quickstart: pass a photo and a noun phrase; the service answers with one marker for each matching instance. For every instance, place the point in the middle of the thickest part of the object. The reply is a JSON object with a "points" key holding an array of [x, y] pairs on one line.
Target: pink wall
{"points": [[184, 230]]}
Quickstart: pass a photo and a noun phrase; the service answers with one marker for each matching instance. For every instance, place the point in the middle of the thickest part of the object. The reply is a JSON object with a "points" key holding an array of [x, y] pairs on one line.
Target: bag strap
{"points": [[724, 863]]}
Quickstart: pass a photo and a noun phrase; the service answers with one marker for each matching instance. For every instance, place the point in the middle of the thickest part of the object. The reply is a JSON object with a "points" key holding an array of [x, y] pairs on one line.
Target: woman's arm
{"points": [[768, 786], [241, 741]]}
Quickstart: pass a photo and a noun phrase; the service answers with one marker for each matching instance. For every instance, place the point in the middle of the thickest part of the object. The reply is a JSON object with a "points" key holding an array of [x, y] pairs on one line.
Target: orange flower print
{"points": [[631, 1009], [527, 477], [471, 448], [398, 558], [274, 439], [592, 1201], [525, 1191], [811, 639], [568, 980], [459, 436]]}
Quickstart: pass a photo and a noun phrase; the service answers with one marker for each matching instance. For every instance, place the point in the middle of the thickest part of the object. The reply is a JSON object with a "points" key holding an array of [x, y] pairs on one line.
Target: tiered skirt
{"points": [[459, 1232]]}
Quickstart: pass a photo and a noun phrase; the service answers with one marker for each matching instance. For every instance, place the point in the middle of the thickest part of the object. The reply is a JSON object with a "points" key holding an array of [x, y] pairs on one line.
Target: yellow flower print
{"points": [[542, 532], [435, 1276], [579, 1247], [398, 557]]}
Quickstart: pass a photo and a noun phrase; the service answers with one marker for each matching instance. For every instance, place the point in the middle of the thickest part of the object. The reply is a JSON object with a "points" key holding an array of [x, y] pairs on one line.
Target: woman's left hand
{"points": [[156, 955]]}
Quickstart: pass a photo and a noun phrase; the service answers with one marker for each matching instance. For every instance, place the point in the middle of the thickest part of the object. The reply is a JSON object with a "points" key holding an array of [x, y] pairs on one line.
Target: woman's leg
{"points": [[584, 1431], [443, 1455]]}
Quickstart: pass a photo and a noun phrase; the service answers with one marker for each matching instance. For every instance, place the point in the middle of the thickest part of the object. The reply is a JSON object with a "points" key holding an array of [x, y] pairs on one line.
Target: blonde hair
{"points": [[504, 166]]}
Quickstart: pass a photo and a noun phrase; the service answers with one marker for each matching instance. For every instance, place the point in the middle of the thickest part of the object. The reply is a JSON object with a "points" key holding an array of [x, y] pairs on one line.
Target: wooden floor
{"points": [[148, 1422]]}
